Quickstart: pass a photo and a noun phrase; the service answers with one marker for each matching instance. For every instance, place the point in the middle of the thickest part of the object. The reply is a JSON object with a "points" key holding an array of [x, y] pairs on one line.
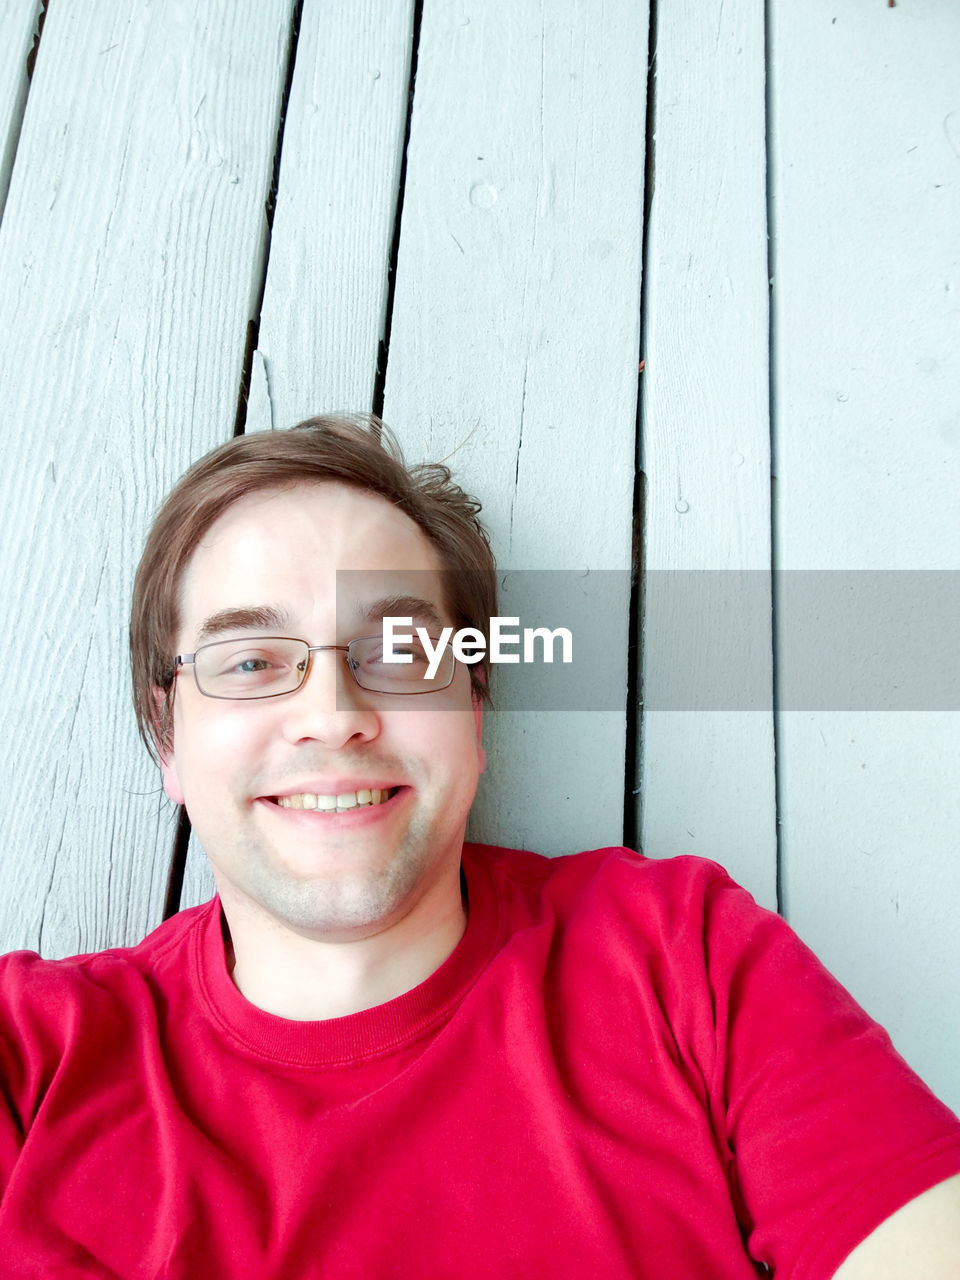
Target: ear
{"points": [[478, 721], [168, 765], [171, 779]]}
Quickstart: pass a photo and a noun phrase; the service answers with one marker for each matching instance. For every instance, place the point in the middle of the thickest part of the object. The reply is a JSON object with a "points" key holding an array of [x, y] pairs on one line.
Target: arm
{"points": [[922, 1239], [833, 1136]]}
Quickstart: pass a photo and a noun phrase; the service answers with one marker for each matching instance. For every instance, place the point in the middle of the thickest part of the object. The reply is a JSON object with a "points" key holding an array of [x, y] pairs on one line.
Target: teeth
{"points": [[335, 804]]}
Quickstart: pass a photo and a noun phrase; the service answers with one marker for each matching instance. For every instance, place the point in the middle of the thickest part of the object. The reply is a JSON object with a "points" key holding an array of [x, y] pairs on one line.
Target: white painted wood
{"points": [[515, 341], [325, 301], [869, 819], [18, 22], [325, 298], [867, 205], [198, 882], [130, 254], [706, 776]]}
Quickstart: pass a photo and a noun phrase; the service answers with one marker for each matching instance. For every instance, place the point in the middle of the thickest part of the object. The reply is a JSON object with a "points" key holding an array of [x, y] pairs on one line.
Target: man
{"points": [[381, 1053]]}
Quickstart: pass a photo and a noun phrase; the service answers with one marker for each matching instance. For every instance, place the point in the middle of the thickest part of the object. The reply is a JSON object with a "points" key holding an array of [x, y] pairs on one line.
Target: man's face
{"points": [[268, 567]]}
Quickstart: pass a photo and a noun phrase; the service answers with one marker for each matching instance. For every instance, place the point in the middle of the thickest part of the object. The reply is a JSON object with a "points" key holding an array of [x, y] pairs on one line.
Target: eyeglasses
{"points": [[268, 666]]}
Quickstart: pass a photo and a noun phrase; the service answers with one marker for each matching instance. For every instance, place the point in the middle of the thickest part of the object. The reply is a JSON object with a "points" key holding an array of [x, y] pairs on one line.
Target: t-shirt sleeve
{"points": [[11, 1132], [39, 1011], [830, 1130], [15, 1081]]}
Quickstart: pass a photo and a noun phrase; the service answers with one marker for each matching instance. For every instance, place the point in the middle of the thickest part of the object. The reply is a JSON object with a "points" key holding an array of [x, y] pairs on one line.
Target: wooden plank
{"points": [[130, 256], [325, 302], [325, 297], [867, 366], [706, 776], [18, 23], [515, 339]]}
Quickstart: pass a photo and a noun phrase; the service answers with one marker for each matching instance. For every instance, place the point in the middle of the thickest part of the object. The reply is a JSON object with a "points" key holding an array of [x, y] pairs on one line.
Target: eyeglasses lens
{"points": [[267, 666]]}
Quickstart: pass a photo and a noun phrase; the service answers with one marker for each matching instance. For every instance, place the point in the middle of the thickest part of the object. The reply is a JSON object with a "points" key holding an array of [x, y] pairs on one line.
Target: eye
{"points": [[241, 664], [414, 650], [251, 666], [250, 662], [371, 659]]}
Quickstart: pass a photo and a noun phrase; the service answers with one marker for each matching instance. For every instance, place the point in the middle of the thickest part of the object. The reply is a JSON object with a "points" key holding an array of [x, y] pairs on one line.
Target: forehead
{"points": [[284, 548]]}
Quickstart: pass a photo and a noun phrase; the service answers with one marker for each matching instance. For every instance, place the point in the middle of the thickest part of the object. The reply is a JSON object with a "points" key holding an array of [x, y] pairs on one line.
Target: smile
{"points": [[340, 803]]}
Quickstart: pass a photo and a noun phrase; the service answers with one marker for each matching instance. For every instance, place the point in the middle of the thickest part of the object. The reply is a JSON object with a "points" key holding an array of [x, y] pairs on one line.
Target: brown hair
{"points": [[357, 451]]}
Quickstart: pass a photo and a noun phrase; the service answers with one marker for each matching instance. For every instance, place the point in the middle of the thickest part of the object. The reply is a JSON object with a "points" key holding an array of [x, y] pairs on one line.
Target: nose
{"points": [[329, 707]]}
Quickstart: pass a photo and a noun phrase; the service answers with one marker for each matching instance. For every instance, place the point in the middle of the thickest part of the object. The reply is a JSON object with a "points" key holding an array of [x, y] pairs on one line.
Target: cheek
{"points": [[207, 749], [439, 744], [454, 747]]}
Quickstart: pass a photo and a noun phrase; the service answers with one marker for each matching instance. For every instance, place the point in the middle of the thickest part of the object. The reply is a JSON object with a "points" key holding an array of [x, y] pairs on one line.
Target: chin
{"points": [[339, 907]]}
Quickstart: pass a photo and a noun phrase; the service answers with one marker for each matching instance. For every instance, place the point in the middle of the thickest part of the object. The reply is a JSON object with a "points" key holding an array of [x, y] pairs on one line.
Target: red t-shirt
{"points": [[625, 1069]]}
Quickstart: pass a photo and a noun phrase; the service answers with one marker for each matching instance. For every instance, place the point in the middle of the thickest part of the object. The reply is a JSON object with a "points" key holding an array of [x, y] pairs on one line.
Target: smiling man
{"points": [[382, 1052], [333, 820]]}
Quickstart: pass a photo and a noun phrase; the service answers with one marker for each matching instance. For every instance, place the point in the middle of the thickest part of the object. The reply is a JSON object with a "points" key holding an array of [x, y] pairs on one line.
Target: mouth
{"points": [[342, 802]]}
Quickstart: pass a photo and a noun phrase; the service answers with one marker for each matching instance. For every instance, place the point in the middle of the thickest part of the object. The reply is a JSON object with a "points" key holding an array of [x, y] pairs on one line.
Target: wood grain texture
{"points": [[867, 201], [325, 301], [130, 254], [18, 22], [515, 339], [706, 777], [325, 297], [198, 882]]}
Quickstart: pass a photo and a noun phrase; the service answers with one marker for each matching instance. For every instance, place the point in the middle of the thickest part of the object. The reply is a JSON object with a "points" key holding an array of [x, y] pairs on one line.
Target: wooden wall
{"points": [[766, 215], [865, 142]]}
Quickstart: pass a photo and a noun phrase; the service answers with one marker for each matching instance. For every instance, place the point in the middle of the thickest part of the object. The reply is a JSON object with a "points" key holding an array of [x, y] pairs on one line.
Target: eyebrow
{"points": [[402, 606], [266, 618], [251, 618]]}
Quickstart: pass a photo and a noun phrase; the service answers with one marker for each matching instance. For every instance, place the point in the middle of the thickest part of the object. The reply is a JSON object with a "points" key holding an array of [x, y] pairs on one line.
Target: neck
{"points": [[304, 978]]}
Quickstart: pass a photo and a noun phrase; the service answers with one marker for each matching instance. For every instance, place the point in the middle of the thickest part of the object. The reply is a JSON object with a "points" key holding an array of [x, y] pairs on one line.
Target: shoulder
{"points": [[527, 865], [615, 879], [37, 992], [681, 911], [681, 924]]}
